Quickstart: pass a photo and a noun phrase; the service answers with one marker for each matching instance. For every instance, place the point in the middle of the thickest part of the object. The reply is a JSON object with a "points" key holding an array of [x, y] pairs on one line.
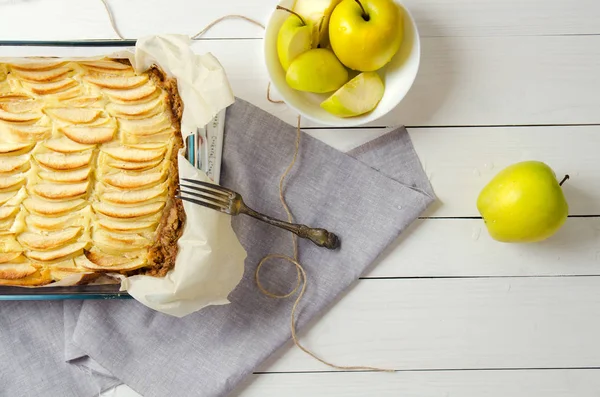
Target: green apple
{"points": [[523, 203], [316, 70], [358, 96], [366, 34], [294, 38], [317, 13]]}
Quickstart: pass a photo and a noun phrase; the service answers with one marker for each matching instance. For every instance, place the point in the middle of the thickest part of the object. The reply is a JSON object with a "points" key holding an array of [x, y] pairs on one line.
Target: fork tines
{"points": [[206, 194]]}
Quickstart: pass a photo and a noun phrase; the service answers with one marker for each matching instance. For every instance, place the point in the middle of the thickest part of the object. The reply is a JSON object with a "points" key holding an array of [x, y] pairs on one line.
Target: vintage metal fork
{"points": [[229, 202]]}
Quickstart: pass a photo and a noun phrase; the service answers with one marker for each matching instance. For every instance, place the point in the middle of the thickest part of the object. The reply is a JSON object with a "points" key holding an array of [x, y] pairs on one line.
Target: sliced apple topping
{"points": [[77, 218], [28, 105], [119, 241], [97, 260], [137, 110], [133, 166], [125, 226], [133, 154], [91, 135], [27, 133], [38, 65], [77, 175], [117, 82], [9, 256], [133, 196], [147, 126], [61, 161], [42, 76], [48, 241], [16, 271], [66, 145], [161, 137], [11, 147], [6, 197], [11, 182], [7, 212], [74, 115], [9, 244], [136, 94], [52, 208], [13, 163], [127, 212], [19, 117], [106, 64], [51, 88], [55, 254], [54, 191], [86, 101]]}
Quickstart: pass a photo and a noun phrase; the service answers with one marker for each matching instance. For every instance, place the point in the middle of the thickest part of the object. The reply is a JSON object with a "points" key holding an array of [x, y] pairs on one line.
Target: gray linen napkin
{"points": [[368, 197]]}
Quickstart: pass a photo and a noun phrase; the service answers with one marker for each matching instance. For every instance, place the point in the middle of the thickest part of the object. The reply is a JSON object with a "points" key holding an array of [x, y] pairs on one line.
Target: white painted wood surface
{"points": [[456, 312]]}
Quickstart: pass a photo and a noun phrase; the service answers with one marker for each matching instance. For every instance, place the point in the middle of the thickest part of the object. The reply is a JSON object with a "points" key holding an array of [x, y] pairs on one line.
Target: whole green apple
{"points": [[366, 34], [523, 203]]}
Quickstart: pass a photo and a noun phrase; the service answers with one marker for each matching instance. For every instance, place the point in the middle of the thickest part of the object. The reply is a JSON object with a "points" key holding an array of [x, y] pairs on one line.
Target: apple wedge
{"points": [[124, 226], [358, 96], [60, 161], [98, 260], [134, 181], [37, 65], [316, 13], [133, 196], [106, 64], [19, 117], [90, 135], [74, 115], [52, 208], [136, 110], [12, 147], [133, 154], [146, 126], [53, 191], [13, 163], [117, 82], [66, 145], [48, 241], [42, 76], [294, 38], [51, 88], [9, 257], [77, 175], [133, 95], [121, 212], [46, 256]]}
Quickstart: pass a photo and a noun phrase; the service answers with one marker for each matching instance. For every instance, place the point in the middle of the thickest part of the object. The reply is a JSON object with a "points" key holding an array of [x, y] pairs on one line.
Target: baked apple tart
{"points": [[88, 171]]}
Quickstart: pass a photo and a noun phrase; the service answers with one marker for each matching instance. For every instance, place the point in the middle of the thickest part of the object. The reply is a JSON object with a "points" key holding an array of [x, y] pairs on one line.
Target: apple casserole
{"points": [[88, 171]]}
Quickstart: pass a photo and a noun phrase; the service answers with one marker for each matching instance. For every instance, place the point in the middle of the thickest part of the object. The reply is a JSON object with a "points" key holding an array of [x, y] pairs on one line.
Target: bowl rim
{"points": [[349, 121]]}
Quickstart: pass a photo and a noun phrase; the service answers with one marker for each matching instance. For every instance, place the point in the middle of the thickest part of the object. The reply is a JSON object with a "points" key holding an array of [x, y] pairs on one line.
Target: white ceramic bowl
{"points": [[398, 75]]}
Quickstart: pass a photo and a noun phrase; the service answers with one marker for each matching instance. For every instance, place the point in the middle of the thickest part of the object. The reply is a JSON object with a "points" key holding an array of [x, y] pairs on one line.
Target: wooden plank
{"points": [[456, 324], [463, 248], [464, 81], [72, 19], [461, 161], [552, 383]]}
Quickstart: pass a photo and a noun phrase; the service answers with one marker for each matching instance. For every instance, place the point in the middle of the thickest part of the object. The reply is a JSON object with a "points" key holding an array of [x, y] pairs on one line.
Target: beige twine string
{"points": [[301, 273]]}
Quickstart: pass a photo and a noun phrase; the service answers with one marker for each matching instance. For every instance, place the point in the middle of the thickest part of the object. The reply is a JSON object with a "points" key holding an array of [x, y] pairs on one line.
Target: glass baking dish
{"points": [[79, 48]]}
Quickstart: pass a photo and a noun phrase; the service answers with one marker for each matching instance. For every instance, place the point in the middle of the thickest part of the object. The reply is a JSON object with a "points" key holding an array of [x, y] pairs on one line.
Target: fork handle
{"points": [[320, 237]]}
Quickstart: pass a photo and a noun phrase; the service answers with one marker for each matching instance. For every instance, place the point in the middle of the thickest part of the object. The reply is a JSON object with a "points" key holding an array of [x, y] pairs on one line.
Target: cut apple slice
{"points": [[5, 197], [40, 277], [9, 256], [52, 255], [136, 110], [132, 140], [117, 82], [74, 115], [98, 260], [133, 154], [60, 161], [38, 65], [19, 117], [133, 166], [127, 212], [11, 147], [16, 271], [134, 181], [11, 182], [124, 242], [66, 145], [8, 244], [148, 126], [106, 64], [125, 226], [28, 133], [358, 96], [7, 212], [22, 106], [90, 135], [78, 218], [70, 93], [86, 101], [12, 163], [42, 76], [136, 94], [48, 241], [133, 196], [52, 208], [51, 88], [66, 176], [54, 191]]}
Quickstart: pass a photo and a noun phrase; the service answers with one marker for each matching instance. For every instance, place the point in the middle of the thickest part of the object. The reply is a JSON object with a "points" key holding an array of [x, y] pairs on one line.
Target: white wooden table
{"points": [[456, 313]]}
